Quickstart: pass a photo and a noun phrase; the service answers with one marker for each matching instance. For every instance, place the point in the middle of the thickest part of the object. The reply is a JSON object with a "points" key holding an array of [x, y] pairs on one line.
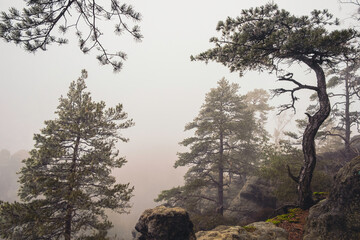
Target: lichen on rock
{"points": [[259, 231]]}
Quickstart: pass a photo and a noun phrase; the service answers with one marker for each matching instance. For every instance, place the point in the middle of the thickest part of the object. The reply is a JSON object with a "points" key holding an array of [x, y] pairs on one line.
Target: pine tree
{"points": [[344, 111], [66, 183], [224, 147], [267, 38]]}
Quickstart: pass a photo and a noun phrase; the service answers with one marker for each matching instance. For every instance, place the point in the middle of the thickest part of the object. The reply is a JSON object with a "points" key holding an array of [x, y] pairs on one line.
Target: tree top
{"points": [[262, 37]]}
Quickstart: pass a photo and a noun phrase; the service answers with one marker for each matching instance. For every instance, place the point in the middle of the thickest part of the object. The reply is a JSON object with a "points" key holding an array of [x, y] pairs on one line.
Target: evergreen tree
{"points": [[267, 38], [224, 146], [344, 112], [257, 101], [66, 183], [35, 27]]}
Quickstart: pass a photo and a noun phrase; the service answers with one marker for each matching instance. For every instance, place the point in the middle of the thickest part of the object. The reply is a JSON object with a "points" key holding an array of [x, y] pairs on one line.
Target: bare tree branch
{"points": [[289, 78], [296, 179]]}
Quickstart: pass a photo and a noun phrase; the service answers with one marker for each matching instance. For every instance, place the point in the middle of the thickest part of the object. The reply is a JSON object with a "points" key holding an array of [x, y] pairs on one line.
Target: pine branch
{"points": [[34, 27]]}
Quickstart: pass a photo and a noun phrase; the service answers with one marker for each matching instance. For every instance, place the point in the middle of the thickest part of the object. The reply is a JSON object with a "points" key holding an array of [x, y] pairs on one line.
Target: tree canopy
{"points": [[264, 37], [66, 183], [37, 25]]}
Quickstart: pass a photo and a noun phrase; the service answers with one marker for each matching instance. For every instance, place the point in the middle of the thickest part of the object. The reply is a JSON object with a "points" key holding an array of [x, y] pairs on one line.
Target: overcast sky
{"points": [[160, 87]]}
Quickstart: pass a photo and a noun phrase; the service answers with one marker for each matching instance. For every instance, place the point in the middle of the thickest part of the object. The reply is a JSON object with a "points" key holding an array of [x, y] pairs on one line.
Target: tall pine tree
{"points": [[224, 147], [66, 184]]}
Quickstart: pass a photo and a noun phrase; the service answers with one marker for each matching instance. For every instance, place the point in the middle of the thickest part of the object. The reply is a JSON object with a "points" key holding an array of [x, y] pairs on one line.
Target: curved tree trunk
{"points": [[308, 143]]}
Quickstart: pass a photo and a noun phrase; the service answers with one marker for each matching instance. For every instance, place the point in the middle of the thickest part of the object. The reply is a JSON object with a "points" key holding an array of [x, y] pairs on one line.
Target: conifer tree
{"points": [[66, 183], [344, 110], [224, 146], [267, 38]]}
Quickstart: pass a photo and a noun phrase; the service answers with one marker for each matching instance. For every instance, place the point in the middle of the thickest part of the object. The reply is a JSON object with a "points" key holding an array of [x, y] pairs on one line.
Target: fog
{"points": [[160, 88]]}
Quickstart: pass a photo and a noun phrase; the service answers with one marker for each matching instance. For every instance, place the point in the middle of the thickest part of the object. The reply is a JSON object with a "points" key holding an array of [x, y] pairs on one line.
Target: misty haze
{"points": [[179, 120]]}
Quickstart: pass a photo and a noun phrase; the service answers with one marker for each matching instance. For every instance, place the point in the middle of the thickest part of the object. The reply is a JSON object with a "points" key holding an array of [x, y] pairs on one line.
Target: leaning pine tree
{"points": [[269, 39], [66, 183]]}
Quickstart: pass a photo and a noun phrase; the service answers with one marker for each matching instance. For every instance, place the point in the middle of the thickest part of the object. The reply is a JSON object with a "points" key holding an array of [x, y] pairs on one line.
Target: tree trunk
{"points": [[308, 143], [68, 220], [220, 208], [69, 207], [347, 119]]}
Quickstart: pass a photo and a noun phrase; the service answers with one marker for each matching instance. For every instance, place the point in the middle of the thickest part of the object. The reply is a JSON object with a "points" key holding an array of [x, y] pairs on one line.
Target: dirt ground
{"points": [[296, 230]]}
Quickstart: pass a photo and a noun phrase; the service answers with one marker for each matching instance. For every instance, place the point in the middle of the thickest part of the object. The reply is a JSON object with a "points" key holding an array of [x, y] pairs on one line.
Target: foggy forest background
{"points": [[162, 90]]}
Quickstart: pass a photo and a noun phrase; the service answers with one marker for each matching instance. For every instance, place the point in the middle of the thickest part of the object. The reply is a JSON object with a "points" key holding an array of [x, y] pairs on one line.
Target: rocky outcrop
{"points": [[254, 202], [254, 231], [338, 217], [163, 223]]}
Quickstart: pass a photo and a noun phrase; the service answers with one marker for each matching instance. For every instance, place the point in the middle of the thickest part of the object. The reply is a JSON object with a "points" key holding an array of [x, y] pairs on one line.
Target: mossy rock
{"points": [[250, 228], [257, 230], [163, 223], [288, 217]]}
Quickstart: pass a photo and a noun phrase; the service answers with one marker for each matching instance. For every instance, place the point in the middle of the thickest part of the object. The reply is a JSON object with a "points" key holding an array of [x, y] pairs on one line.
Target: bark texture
{"points": [[308, 143]]}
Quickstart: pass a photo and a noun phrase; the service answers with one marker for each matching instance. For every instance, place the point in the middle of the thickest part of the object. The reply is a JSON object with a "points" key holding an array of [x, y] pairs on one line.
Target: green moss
{"points": [[250, 228], [295, 210], [289, 217], [274, 221], [320, 193]]}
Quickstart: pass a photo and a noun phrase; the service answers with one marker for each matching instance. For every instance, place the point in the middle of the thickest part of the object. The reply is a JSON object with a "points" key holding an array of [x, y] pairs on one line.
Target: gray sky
{"points": [[160, 87]]}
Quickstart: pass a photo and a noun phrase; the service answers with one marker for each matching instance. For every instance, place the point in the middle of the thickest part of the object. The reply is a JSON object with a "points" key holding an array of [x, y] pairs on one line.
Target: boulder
{"points": [[254, 231], [223, 232], [255, 202], [163, 223], [338, 217]]}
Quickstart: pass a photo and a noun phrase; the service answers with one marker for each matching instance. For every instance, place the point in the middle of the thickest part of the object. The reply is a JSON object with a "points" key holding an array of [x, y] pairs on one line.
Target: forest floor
{"points": [[295, 225]]}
